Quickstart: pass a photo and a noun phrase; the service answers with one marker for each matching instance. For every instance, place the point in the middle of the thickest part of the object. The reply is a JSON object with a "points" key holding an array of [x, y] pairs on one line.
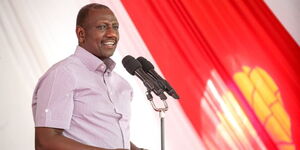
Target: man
{"points": [[80, 103]]}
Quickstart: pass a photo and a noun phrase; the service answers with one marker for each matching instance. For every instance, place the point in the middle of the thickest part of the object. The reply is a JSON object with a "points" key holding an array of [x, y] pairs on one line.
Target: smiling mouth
{"points": [[109, 44]]}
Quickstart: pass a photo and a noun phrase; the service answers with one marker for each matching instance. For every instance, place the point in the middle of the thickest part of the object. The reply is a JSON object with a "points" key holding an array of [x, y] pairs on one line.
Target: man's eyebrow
{"points": [[107, 21]]}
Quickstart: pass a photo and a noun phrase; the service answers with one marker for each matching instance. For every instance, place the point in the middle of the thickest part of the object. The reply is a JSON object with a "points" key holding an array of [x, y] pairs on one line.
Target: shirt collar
{"points": [[92, 62]]}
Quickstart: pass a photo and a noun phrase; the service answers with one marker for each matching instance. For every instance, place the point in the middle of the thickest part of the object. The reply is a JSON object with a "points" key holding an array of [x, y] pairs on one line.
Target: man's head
{"points": [[97, 30]]}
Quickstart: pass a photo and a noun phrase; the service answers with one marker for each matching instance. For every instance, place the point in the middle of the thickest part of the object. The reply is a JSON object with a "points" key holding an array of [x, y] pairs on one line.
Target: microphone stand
{"points": [[161, 111]]}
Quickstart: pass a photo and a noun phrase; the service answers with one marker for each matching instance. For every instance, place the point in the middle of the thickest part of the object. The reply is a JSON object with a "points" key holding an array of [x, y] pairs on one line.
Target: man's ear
{"points": [[80, 32]]}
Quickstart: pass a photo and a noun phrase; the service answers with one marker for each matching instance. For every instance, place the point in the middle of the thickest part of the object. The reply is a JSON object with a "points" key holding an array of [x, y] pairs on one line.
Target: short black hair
{"points": [[84, 11]]}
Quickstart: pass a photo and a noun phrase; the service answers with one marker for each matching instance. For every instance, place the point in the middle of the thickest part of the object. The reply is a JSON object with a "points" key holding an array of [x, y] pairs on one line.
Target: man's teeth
{"points": [[109, 43]]}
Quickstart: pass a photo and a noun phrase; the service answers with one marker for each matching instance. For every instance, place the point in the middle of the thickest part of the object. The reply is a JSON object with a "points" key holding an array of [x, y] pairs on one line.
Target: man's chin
{"points": [[106, 55]]}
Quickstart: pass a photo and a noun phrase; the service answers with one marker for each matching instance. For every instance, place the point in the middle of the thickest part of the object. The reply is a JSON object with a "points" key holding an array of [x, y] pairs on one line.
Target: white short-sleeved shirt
{"points": [[83, 96]]}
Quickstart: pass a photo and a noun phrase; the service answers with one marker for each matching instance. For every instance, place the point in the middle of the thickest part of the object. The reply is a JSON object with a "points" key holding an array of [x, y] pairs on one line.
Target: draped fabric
{"points": [[233, 64]]}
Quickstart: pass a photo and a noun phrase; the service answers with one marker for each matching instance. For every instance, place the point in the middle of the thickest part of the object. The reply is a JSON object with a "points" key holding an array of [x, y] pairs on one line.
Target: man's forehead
{"points": [[102, 14]]}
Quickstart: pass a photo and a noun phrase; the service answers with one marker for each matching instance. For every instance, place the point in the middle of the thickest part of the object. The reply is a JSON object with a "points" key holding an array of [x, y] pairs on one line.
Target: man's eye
{"points": [[102, 27], [116, 27]]}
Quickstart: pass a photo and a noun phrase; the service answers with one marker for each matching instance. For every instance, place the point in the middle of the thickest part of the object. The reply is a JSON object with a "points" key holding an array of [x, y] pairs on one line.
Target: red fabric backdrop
{"points": [[188, 39]]}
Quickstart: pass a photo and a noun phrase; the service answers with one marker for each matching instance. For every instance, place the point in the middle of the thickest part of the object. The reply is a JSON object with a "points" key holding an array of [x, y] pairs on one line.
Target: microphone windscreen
{"points": [[147, 65], [131, 64]]}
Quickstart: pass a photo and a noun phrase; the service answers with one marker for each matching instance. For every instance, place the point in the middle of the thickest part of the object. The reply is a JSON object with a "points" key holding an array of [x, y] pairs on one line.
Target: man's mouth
{"points": [[110, 43]]}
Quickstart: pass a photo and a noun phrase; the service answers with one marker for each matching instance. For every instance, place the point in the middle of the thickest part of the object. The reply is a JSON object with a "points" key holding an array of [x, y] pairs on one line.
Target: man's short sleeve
{"points": [[53, 99]]}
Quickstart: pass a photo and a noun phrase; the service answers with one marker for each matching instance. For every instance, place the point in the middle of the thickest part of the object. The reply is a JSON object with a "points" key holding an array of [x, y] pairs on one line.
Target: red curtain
{"points": [[243, 43]]}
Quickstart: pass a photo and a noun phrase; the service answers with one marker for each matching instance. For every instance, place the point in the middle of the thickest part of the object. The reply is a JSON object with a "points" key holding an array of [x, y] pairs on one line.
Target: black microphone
{"points": [[149, 68], [134, 67]]}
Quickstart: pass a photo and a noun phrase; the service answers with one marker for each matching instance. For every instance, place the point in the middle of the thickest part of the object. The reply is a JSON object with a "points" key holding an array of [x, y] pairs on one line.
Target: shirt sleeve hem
{"points": [[53, 125]]}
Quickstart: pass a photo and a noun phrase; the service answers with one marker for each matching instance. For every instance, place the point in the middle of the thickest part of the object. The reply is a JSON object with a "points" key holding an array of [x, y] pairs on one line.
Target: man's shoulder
{"points": [[66, 66], [68, 63], [61, 71]]}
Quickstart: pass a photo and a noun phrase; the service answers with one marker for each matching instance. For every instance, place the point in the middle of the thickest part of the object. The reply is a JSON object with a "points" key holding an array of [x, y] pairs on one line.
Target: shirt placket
{"points": [[110, 96]]}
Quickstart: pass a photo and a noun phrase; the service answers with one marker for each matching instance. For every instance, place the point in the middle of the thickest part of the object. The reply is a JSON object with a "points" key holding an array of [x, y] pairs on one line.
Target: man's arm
{"points": [[133, 147], [52, 139]]}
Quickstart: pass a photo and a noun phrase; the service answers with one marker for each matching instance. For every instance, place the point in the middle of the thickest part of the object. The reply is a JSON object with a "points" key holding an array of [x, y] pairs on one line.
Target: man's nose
{"points": [[111, 32]]}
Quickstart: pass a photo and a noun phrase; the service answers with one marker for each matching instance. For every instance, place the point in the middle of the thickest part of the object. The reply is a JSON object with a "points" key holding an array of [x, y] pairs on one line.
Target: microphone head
{"points": [[147, 65], [131, 64]]}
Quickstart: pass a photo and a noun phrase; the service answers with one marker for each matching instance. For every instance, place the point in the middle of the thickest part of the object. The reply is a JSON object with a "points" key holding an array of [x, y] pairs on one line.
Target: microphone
{"points": [[149, 68], [134, 67]]}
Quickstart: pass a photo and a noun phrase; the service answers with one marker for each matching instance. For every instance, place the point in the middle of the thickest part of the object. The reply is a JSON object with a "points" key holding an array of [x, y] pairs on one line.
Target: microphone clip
{"points": [[158, 109]]}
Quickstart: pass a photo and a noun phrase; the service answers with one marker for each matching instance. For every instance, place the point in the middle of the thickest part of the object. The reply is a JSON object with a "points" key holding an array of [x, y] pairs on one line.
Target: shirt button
{"points": [[102, 67]]}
